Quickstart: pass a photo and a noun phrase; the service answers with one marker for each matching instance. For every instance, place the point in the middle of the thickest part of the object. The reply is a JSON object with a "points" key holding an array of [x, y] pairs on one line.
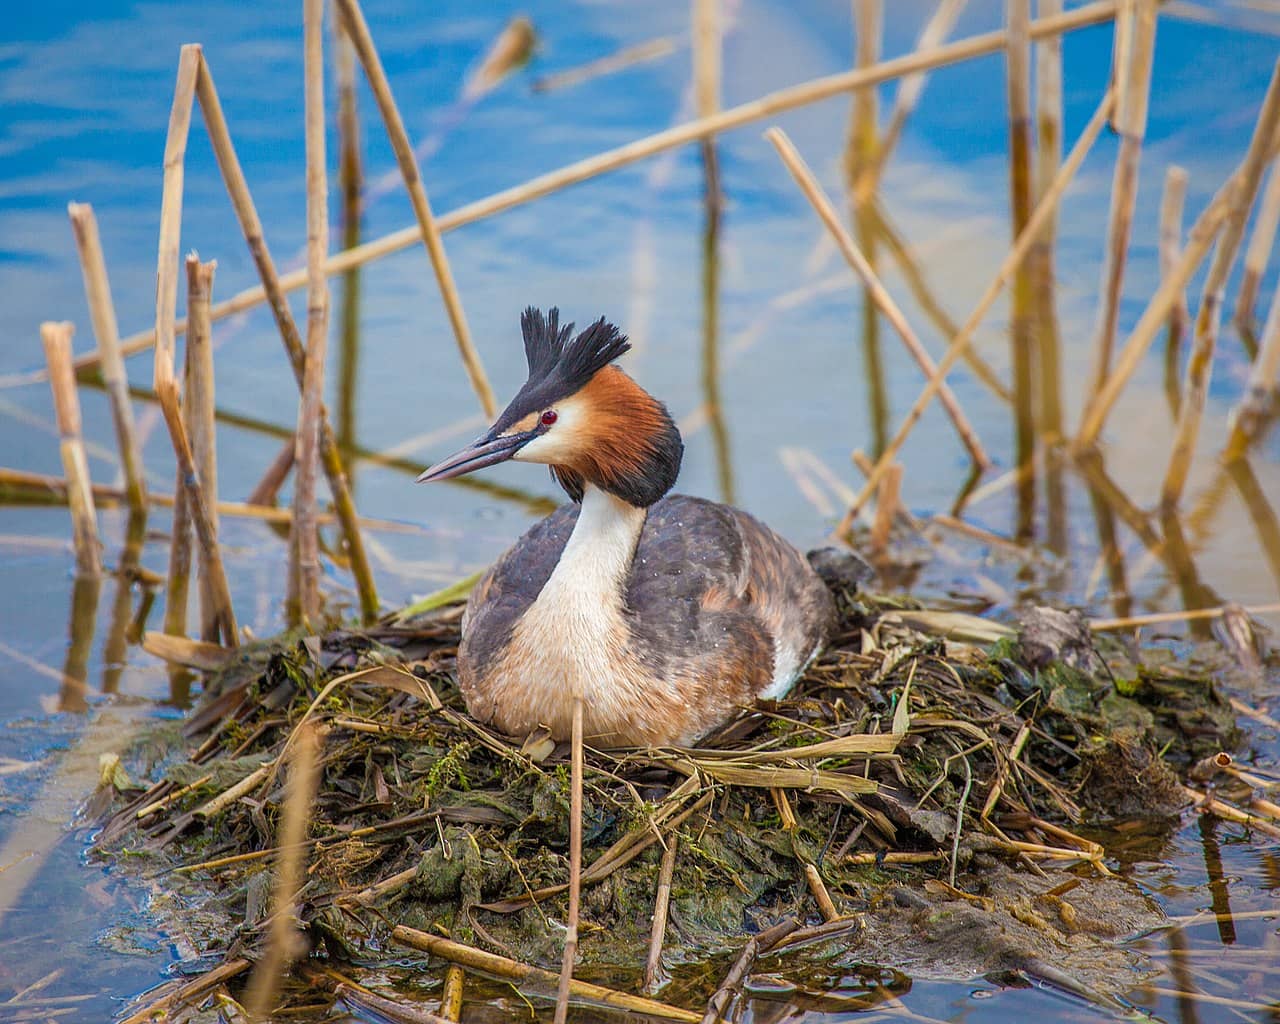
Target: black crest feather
{"points": [[559, 363]]}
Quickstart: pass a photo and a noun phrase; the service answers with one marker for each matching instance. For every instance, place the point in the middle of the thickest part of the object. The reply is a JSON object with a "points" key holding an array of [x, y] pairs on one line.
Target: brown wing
{"points": [[711, 584]]}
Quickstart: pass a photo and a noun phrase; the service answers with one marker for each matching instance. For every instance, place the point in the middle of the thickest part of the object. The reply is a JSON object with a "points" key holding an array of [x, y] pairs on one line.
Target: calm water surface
{"points": [[84, 98]]}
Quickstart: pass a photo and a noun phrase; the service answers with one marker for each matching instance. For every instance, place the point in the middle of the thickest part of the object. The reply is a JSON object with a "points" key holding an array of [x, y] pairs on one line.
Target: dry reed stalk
{"points": [[1014, 259], [362, 40], [1200, 365], [166, 385], [304, 545], [818, 890], [911, 87], [1048, 158], [56, 338], [1022, 336], [283, 940], [1207, 804], [1250, 412], [187, 993], [894, 857], [1172, 201], [1133, 70], [1163, 618], [627, 57], [860, 157], [514, 971], [382, 1007], [1162, 304], [198, 407], [757, 944], [1259, 250], [706, 96], [267, 489], [661, 907], [451, 997], [754, 110], [887, 503], [576, 770], [106, 331], [822, 205], [251, 227]]}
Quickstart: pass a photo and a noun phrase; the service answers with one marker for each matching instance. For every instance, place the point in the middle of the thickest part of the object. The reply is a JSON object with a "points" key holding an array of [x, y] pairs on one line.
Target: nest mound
{"points": [[934, 774]]}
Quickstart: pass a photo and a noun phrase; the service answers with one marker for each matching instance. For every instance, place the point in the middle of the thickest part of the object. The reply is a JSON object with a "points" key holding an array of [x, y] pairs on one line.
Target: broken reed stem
{"points": [[754, 110], [304, 544], [911, 87], [246, 213], [1260, 391], [860, 158], [818, 890], [56, 338], [1022, 335], [1199, 240], [661, 908], [384, 1008], [451, 998], [1259, 251], [166, 385], [822, 205], [514, 971], [283, 941], [1195, 388], [576, 771], [198, 411], [1133, 64], [706, 57], [106, 331], [362, 40], [1015, 257], [886, 507]]}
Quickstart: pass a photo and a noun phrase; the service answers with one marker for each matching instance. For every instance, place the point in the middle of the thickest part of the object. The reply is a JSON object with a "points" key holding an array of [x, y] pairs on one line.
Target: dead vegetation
{"points": [[935, 777]]}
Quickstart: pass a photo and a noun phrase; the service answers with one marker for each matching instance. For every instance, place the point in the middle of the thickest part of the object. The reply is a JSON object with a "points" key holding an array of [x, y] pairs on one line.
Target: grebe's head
{"points": [[581, 416]]}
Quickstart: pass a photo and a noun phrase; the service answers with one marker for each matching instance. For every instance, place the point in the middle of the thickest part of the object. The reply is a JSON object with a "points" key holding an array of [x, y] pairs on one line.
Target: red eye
{"points": [[549, 417]]}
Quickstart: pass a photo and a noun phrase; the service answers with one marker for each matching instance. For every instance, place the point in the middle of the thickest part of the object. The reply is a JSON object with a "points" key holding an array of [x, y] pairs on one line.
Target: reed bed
{"points": [[992, 746]]}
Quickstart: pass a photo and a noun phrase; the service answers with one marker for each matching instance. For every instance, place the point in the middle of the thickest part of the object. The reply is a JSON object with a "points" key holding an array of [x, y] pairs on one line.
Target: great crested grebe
{"points": [[665, 613]]}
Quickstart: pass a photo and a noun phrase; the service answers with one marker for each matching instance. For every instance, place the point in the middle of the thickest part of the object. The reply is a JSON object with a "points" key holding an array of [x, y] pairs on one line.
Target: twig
{"points": [[282, 942], [188, 992], [766, 106], [102, 313], [166, 385], [886, 508], [304, 545], [1015, 257], [266, 490], [757, 944], [198, 411], [513, 970], [1259, 250], [1048, 159], [661, 908], [1200, 366], [362, 40], [1133, 67], [822, 205], [405, 1013], [56, 338], [576, 772], [272, 287]]}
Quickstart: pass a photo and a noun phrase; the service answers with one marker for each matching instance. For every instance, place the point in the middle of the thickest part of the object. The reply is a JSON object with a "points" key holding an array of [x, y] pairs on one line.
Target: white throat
{"points": [[576, 623]]}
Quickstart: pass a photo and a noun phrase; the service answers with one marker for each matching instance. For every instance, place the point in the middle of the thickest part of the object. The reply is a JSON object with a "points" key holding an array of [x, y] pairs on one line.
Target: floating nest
{"points": [[924, 799]]}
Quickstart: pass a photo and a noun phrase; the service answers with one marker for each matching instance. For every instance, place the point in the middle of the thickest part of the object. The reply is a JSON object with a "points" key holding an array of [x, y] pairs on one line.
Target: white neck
{"points": [[598, 554]]}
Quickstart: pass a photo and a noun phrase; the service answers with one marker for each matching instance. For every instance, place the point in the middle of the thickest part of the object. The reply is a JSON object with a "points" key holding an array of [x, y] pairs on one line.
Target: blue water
{"points": [[84, 99]]}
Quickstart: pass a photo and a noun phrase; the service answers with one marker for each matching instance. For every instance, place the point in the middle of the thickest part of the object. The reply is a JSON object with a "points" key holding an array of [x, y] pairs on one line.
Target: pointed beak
{"points": [[486, 451]]}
